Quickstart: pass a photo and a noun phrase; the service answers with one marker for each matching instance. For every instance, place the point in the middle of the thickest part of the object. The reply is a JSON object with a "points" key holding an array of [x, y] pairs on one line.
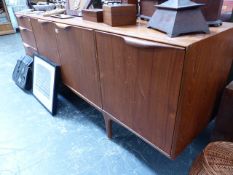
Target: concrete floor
{"points": [[32, 142]]}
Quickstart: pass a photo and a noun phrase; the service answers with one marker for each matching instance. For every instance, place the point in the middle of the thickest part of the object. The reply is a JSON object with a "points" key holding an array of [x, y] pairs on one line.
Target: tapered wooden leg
{"points": [[108, 125]]}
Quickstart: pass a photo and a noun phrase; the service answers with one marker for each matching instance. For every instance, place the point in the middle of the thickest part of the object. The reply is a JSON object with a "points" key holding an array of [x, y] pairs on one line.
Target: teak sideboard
{"points": [[162, 89]]}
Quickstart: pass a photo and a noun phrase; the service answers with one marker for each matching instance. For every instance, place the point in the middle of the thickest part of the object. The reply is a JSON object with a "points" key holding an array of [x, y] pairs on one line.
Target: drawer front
{"points": [[140, 83], [29, 50], [28, 37], [77, 49], [45, 36], [24, 22]]}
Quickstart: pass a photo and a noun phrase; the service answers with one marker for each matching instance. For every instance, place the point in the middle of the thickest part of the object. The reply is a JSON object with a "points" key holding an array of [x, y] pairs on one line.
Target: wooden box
{"points": [[147, 8], [119, 15], [95, 15], [131, 2]]}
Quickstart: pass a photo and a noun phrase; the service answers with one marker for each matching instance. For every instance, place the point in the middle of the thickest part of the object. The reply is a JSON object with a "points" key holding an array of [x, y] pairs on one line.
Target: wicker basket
{"points": [[216, 159]]}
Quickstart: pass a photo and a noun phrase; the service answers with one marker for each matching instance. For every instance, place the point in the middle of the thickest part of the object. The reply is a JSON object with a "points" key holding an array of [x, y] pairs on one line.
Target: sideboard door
{"points": [[46, 39], [79, 67], [140, 83]]}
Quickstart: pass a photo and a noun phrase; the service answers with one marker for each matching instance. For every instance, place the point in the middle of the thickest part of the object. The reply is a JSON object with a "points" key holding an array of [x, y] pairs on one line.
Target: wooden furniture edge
{"points": [[133, 41], [84, 98], [117, 30], [108, 121], [7, 32], [174, 150]]}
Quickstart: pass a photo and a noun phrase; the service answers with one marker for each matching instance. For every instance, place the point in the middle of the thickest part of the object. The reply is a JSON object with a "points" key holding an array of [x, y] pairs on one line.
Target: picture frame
{"points": [[46, 77], [75, 7]]}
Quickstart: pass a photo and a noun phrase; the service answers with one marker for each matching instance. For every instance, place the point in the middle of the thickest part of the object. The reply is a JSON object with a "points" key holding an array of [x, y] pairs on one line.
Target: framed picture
{"points": [[75, 7], [46, 76]]}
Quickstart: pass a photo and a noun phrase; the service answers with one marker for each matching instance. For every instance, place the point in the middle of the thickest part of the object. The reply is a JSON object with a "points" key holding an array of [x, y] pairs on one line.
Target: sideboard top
{"points": [[139, 30]]}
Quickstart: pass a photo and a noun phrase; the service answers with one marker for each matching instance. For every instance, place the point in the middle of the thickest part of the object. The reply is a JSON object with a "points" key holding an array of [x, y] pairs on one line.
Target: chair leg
{"points": [[108, 125]]}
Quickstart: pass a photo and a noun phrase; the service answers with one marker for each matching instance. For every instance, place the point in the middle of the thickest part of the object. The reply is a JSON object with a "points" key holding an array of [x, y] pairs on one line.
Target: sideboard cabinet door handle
{"points": [[146, 44], [20, 16], [63, 26], [28, 46], [41, 21], [22, 28]]}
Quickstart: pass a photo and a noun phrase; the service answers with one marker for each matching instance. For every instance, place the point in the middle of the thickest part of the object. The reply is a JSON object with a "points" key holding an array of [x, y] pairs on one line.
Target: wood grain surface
{"points": [[206, 68], [44, 32], [24, 22], [139, 30], [223, 129], [140, 86], [6, 29], [162, 89], [79, 67], [28, 37]]}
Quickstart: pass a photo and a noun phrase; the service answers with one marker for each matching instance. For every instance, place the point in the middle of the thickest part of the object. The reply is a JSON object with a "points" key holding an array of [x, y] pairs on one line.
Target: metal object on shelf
{"points": [[176, 17]]}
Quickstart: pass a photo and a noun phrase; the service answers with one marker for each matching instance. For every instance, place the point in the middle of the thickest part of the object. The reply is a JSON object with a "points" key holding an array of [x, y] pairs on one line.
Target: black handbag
{"points": [[22, 74]]}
